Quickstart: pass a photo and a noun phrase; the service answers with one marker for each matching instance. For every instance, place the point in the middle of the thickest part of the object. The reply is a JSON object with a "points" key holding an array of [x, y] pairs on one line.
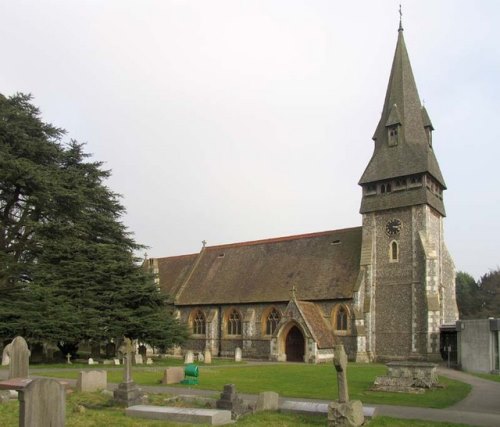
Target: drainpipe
{"points": [[220, 331]]}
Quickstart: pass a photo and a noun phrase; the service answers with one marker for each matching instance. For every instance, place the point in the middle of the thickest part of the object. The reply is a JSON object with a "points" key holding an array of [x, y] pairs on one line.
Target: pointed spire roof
{"points": [[412, 154]]}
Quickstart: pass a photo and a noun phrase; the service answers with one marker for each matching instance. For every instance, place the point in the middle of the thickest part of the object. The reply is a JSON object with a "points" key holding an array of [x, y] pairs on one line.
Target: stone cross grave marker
{"points": [[19, 358], [127, 359], [127, 392], [340, 362]]}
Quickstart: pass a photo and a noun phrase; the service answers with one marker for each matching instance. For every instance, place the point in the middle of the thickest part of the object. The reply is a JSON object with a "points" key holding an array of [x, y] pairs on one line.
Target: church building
{"points": [[382, 289]]}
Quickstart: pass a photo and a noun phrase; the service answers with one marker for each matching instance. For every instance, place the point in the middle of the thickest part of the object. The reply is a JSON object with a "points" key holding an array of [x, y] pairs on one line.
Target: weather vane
{"points": [[400, 18]]}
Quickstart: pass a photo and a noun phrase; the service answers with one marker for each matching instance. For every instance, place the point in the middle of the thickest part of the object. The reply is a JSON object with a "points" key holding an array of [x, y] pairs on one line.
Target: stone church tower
{"points": [[408, 288]]}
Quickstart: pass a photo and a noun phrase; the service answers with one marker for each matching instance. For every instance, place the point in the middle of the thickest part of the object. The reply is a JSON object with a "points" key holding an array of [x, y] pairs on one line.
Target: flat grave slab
{"points": [[311, 408], [181, 415]]}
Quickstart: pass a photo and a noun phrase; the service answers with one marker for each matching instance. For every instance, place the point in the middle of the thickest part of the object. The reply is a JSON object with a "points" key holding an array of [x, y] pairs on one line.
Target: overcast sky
{"points": [[240, 120]]}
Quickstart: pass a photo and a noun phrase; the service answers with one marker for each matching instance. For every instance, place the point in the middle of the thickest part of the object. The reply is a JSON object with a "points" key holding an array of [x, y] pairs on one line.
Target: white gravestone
{"points": [[237, 354], [189, 357], [92, 380], [208, 356]]}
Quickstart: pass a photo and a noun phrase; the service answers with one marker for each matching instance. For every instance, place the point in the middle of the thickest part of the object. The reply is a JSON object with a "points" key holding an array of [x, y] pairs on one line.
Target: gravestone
{"points": [[138, 359], [107, 362], [127, 393], [200, 357], [343, 412], [173, 375], [208, 356], [267, 401], [110, 350], [42, 404], [143, 351], [149, 361], [237, 354], [19, 358], [189, 357], [407, 377], [91, 361], [116, 361], [229, 400], [68, 359], [92, 381]]}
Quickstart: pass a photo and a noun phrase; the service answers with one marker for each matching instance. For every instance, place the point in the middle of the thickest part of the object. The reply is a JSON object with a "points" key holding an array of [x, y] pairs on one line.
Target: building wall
{"points": [[253, 341], [477, 345]]}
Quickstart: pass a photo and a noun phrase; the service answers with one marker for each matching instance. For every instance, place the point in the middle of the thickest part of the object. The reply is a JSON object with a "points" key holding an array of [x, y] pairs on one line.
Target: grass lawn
{"points": [[300, 380], [491, 377], [100, 412]]}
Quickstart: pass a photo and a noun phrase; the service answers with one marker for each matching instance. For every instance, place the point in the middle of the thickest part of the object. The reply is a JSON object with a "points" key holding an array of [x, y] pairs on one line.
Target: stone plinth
{"points": [[229, 400], [182, 415], [345, 414], [128, 394]]}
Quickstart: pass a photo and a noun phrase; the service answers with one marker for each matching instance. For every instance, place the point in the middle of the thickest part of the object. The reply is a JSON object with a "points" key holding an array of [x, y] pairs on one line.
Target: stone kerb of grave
{"points": [[19, 355], [92, 381], [344, 412], [407, 377]]}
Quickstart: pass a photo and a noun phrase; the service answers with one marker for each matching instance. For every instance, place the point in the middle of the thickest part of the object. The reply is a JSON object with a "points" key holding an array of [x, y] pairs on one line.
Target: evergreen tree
{"points": [[67, 267], [468, 301]]}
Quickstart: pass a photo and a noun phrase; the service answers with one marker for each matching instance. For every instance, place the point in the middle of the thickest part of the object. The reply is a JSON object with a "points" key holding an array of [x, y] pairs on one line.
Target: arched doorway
{"points": [[294, 345]]}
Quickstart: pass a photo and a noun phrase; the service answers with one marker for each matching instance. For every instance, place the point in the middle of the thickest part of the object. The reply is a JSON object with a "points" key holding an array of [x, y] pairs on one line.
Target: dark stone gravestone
{"points": [[229, 400]]}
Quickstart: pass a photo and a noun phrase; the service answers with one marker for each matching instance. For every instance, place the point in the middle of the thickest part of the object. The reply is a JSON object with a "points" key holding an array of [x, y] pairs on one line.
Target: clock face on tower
{"points": [[393, 227]]}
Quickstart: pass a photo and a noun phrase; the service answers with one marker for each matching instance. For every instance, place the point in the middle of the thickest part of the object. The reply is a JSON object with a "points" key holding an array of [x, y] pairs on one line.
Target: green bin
{"points": [[191, 374]]}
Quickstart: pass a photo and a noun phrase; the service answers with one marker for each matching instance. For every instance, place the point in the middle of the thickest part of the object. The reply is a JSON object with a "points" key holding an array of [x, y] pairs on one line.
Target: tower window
{"points": [[394, 251]]}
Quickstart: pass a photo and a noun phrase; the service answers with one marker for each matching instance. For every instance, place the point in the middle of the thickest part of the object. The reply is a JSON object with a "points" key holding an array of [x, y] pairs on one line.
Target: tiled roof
{"points": [[320, 265], [317, 324]]}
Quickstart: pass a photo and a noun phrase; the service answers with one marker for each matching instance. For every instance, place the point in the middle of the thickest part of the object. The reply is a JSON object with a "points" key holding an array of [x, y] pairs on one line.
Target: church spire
{"points": [[402, 139]]}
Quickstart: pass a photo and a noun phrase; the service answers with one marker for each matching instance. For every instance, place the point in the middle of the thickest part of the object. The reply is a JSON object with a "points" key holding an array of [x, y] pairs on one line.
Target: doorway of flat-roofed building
{"points": [[294, 345]]}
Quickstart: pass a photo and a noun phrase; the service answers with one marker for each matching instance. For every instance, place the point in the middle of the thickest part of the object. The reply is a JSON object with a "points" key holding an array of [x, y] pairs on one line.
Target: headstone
{"points": [[407, 377], [189, 357], [42, 404], [149, 361], [267, 401], [173, 375], [19, 358], [127, 393], [68, 359], [343, 412], [229, 400], [116, 361], [200, 357], [92, 381], [110, 350], [5, 354], [237, 354], [143, 351], [91, 361], [95, 350], [138, 359], [208, 356]]}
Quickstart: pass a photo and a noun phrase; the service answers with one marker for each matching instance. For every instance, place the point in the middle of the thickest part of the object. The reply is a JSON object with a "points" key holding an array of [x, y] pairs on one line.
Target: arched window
{"points": [[341, 319], [199, 323], [394, 251], [273, 318], [234, 323]]}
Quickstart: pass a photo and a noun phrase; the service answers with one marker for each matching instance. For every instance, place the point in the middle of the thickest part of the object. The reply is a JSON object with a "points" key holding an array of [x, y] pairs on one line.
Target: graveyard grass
{"points": [[297, 380], [100, 412]]}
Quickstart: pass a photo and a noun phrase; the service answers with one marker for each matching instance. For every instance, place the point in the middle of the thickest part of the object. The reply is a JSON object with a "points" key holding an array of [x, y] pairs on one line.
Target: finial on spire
{"points": [[204, 243], [400, 19], [293, 291]]}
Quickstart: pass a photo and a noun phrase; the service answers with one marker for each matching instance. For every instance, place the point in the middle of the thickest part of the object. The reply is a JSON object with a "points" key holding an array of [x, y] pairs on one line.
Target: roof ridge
{"points": [[281, 239]]}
